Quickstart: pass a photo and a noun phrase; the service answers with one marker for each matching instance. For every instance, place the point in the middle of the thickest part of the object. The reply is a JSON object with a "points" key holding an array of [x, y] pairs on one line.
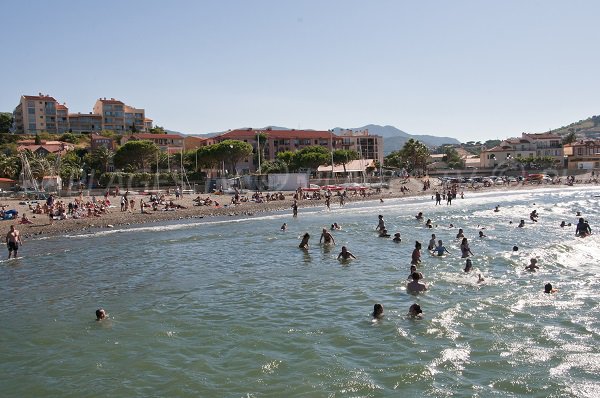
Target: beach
{"points": [[116, 218]]}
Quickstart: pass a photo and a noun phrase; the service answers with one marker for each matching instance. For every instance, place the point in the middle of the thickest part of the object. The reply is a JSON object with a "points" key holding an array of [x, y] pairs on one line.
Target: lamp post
{"points": [[331, 138]]}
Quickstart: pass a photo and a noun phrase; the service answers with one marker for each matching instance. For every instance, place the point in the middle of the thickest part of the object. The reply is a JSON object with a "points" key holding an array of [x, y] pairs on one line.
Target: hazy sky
{"points": [[466, 69]]}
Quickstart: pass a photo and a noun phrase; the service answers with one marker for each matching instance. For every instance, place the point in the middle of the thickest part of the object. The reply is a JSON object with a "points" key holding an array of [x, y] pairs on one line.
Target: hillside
{"points": [[587, 128]]}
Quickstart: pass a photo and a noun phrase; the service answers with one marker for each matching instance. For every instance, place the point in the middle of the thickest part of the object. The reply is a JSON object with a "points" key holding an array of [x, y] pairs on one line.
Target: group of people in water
{"points": [[437, 248]]}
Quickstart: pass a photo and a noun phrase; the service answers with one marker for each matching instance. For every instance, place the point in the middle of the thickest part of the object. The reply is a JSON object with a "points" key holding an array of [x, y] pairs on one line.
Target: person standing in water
{"points": [[345, 254], [416, 254], [464, 248], [13, 240], [326, 237], [304, 243], [380, 224], [431, 244]]}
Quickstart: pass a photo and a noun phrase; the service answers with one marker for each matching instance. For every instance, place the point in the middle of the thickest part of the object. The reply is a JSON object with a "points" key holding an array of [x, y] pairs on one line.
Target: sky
{"points": [[472, 70]]}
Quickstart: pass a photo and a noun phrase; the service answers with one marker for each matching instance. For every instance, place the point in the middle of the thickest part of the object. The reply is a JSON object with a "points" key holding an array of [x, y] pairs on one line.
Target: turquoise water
{"points": [[232, 308]]}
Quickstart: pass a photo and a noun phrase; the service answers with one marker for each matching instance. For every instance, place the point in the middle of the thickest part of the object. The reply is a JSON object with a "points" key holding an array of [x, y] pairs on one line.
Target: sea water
{"points": [[233, 308]]}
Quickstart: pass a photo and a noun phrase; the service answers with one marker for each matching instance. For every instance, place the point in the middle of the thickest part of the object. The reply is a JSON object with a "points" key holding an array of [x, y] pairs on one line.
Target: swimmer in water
{"points": [[377, 311], [431, 244], [429, 223], [533, 216], [440, 249], [397, 237], [563, 224], [482, 235], [345, 254], [468, 265], [335, 226], [419, 216], [100, 314], [464, 248], [326, 237], [460, 234], [497, 209], [415, 311], [380, 224], [582, 228], [284, 227], [416, 254], [549, 289], [515, 248], [521, 224], [413, 269], [304, 243], [480, 279], [415, 285], [532, 265], [384, 233]]}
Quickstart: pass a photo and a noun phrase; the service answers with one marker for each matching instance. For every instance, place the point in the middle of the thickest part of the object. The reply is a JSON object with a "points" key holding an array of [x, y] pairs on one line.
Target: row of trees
{"points": [[412, 157]]}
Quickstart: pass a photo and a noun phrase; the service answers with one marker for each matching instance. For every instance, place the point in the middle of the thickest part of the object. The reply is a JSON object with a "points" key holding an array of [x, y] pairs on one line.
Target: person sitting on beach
{"points": [[384, 233], [521, 224], [413, 269], [464, 248], [440, 249], [460, 234], [100, 314], [468, 265], [431, 244], [304, 243], [397, 238], [415, 285], [284, 227], [377, 311], [380, 224], [415, 311], [326, 237], [532, 265], [416, 254], [25, 220], [549, 289], [345, 254]]}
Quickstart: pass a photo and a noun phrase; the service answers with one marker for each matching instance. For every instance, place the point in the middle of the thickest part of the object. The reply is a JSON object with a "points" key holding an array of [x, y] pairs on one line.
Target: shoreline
{"points": [[41, 227]]}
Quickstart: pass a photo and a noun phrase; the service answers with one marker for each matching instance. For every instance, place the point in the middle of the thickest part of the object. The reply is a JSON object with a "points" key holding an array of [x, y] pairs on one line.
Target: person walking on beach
{"points": [[327, 237], [13, 240]]}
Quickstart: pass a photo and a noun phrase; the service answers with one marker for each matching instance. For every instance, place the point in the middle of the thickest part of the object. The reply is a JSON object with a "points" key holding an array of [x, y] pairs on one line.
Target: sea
{"points": [[231, 307]]}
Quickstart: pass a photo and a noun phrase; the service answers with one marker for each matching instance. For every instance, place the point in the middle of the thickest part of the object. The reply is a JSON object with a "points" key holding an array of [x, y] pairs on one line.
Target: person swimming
{"points": [[549, 289], [440, 249], [521, 224], [377, 311], [304, 243], [416, 254], [515, 248], [413, 269], [497, 209], [284, 227], [415, 285], [533, 216], [419, 216], [384, 233], [482, 235], [326, 237], [582, 228], [415, 311], [397, 237], [345, 254], [460, 234], [431, 244], [532, 265], [469, 265], [100, 314], [429, 223]]}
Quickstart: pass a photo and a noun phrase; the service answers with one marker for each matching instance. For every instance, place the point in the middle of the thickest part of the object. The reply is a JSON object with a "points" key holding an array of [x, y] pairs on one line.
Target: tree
{"points": [[101, 158], [136, 154], [232, 151], [452, 158], [287, 157], [569, 138], [157, 130], [10, 166], [415, 155], [311, 157], [6, 120], [207, 157], [344, 156]]}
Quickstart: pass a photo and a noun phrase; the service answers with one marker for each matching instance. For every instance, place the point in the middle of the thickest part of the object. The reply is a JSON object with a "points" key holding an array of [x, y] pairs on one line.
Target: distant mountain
{"points": [[394, 138]]}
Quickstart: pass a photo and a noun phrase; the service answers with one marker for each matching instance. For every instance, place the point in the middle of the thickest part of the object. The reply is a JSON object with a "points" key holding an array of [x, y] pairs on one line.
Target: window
{"points": [[580, 151]]}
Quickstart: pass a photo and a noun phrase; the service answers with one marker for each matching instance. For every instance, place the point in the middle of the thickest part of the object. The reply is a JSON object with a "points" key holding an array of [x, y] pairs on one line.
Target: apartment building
{"points": [[369, 146], [42, 113], [35, 114], [545, 144], [171, 143]]}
